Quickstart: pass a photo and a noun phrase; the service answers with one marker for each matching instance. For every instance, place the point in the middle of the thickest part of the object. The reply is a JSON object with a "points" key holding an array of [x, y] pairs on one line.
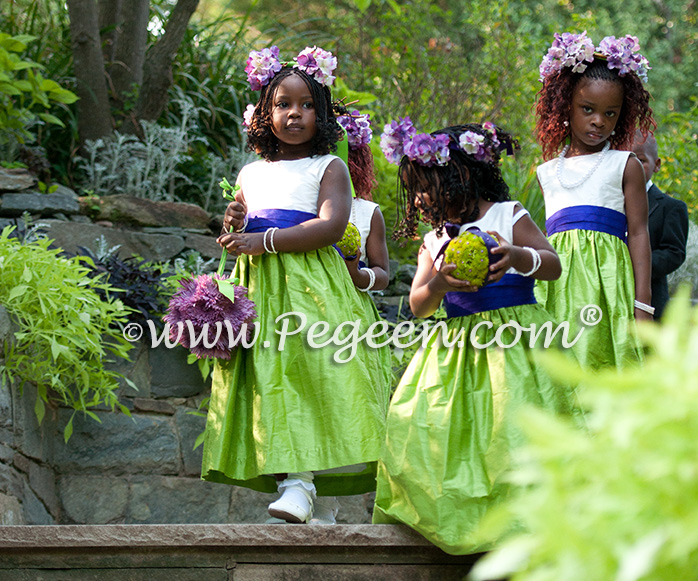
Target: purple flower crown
{"points": [[263, 64], [576, 50], [400, 138], [358, 128]]}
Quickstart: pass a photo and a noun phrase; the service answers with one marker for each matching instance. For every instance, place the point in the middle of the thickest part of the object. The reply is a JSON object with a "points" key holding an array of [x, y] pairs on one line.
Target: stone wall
{"points": [[139, 469]]}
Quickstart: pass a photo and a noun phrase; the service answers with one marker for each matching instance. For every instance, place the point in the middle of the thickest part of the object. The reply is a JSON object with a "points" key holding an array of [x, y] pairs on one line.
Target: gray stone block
{"points": [[172, 376], [10, 510], [94, 499], [119, 445], [35, 512], [31, 439], [177, 500], [189, 427], [249, 506], [5, 324], [35, 203], [11, 481], [71, 235], [136, 369], [43, 482]]}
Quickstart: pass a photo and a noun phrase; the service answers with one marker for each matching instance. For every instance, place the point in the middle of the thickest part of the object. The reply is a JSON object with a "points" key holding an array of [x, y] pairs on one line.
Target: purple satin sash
{"points": [[593, 218], [260, 220], [510, 291]]}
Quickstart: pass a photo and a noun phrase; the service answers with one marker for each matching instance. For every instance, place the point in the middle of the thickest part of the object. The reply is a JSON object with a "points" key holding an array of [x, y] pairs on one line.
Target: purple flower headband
{"points": [[400, 138], [358, 128], [263, 64], [576, 50]]}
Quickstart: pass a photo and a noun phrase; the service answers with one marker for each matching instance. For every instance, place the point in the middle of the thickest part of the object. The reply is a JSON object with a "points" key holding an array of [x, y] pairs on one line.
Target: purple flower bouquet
{"points": [[208, 314]]}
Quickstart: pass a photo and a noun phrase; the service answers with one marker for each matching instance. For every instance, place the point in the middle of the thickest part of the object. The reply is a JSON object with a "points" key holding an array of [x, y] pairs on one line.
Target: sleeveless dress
{"points": [[587, 227], [449, 432], [361, 215], [283, 405]]}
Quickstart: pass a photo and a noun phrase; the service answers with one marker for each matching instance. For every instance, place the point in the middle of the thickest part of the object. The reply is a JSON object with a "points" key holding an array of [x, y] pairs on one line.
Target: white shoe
{"points": [[296, 502], [325, 511]]}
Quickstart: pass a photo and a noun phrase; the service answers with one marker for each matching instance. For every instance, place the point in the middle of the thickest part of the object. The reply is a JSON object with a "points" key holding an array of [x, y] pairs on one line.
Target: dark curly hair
{"points": [[458, 185], [260, 137], [555, 99]]}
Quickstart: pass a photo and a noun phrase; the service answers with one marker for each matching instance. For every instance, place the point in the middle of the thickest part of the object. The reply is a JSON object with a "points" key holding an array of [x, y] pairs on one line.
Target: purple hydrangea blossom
{"points": [[318, 63], [199, 301], [394, 136], [428, 150], [622, 54], [567, 50], [261, 66], [358, 128]]}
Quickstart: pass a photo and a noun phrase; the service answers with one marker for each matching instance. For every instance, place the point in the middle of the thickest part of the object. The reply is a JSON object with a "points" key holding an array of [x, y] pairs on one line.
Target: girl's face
{"points": [[596, 106], [293, 118]]}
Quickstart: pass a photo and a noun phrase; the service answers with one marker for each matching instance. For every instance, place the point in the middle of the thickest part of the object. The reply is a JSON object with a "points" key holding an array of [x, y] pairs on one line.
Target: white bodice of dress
{"points": [[284, 185], [500, 218], [361, 216], [603, 188]]}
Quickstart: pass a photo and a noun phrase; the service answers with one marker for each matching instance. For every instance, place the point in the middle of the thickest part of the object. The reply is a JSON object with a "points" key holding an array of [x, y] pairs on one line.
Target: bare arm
{"points": [[638, 236], [334, 206], [526, 233], [376, 256]]}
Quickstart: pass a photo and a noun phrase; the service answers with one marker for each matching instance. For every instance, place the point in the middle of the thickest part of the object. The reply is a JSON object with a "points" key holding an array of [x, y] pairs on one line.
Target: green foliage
{"points": [[26, 96], [615, 499], [677, 143], [67, 333]]}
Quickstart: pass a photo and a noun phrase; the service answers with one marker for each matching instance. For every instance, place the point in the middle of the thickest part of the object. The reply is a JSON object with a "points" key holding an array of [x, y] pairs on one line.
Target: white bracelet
{"points": [[244, 226], [269, 249], [644, 307], [371, 279], [537, 261]]}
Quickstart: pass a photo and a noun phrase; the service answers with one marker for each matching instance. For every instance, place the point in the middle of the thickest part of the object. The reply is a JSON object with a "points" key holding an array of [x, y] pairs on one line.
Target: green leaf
{"points": [[199, 440], [51, 119], [39, 409], [226, 288], [17, 291], [68, 430]]}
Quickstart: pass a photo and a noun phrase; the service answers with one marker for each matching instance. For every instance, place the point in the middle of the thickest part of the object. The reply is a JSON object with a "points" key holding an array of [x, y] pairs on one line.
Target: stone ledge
{"points": [[226, 552]]}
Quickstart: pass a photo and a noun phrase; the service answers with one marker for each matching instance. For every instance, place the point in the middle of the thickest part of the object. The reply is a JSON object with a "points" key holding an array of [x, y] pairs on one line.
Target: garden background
{"points": [[162, 89]]}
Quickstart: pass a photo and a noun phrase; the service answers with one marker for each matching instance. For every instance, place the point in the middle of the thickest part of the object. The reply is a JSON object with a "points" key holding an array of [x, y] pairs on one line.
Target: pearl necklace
{"points": [[586, 176]]}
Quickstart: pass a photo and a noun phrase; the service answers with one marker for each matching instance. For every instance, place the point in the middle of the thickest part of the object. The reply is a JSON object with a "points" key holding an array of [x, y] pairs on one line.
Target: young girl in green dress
{"points": [[449, 429], [284, 411]]}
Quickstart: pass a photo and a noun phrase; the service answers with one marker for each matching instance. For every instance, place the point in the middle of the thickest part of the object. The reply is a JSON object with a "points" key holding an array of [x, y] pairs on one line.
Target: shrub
{"points": [[616, 499], [25, 95], [66, 331]]}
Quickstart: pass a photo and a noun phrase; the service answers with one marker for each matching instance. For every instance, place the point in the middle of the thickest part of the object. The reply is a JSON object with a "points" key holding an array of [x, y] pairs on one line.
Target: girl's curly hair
{"points": [[555, 100], [362, 172], [260, 137], [456, 186]]}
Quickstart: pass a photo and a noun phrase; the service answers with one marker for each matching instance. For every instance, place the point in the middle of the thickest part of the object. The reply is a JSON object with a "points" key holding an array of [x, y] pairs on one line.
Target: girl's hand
{"points": [[237, 244], [235, 213], [445, 282], [509, 254]]}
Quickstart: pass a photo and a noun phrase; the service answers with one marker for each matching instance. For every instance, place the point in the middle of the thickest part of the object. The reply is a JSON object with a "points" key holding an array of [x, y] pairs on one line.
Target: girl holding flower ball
{"points": [[593, 100], [449, 431], [282, 416]]}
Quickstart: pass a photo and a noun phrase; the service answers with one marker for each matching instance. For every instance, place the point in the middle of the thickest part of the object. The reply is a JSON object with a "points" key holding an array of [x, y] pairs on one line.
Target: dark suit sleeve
{"points": [[670, 250]]}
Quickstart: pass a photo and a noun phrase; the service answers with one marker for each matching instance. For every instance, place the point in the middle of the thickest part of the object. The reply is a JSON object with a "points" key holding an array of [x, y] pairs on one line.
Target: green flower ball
{"points": [[350, 244], [470, 253]]}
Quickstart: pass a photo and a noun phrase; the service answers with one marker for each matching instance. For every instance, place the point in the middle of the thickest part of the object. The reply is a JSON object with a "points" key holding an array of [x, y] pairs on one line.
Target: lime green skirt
{"points": [[285, 404], [450, 428], [596, 270]]}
